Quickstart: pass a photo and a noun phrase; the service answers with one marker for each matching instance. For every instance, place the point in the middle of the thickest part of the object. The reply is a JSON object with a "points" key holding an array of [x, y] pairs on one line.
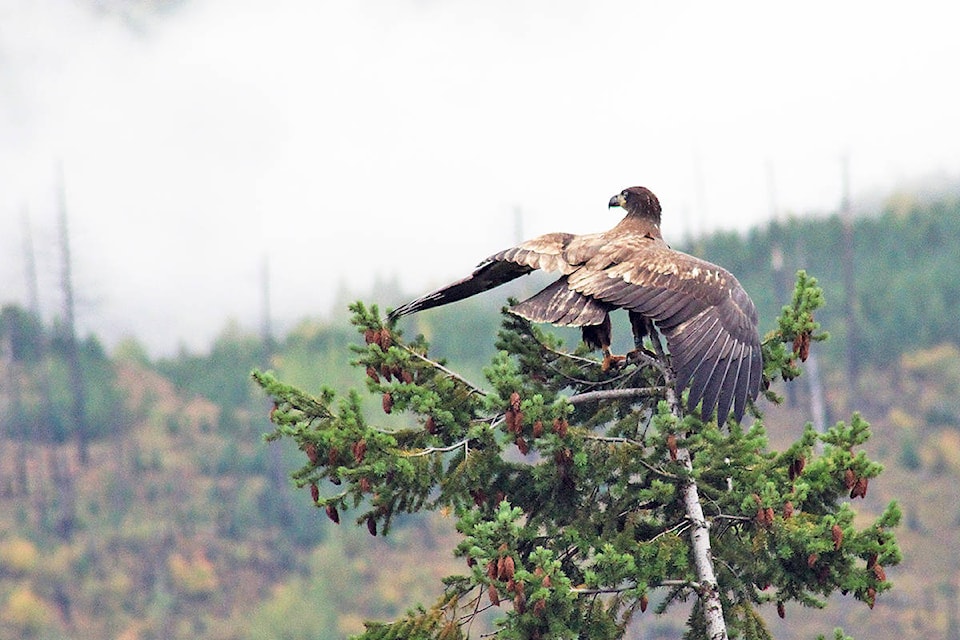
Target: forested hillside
{"points": [[184, 523]]}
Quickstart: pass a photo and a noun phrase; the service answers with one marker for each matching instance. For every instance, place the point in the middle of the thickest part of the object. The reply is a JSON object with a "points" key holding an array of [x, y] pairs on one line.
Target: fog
{"points": [[350, 142]]}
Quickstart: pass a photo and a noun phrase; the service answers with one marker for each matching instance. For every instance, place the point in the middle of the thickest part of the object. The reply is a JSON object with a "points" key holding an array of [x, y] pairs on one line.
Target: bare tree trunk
{"points": [[708, 590], [278, 475], [77, 408], [818, 403], [849, 283], [44, 432]]}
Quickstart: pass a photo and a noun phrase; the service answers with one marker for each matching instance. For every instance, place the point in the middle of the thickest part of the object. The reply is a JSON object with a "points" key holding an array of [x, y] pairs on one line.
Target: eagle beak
{"points": [[617, 201]]}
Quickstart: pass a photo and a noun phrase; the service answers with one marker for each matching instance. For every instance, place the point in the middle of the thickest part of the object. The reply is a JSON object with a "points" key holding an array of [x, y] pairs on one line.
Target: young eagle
{"points": [[709, 321]]}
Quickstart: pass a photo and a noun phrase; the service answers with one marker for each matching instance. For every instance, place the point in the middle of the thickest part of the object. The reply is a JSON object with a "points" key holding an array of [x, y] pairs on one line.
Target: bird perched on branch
{"points": [[708, 320]]}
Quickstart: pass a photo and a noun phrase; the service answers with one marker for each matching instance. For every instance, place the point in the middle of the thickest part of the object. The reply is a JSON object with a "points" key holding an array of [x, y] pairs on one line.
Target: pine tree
{"points": [[582, 495]]}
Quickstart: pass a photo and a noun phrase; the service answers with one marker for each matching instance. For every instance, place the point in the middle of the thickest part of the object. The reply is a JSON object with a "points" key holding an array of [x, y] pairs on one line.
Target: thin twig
{"points": [[614, 440], [563, 354], [664, 583], [680, 526], [636, 443], [465, 443], [436, 365], [723, 516], [557, 371]]}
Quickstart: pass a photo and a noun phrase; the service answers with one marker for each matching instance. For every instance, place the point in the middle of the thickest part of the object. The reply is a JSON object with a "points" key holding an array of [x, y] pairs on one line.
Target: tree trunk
{"points": [[709, 594], [71, 349]]}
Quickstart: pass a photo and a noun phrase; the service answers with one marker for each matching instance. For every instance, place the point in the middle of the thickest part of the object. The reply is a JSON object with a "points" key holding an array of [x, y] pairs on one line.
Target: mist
{"points": [[354, 142]]}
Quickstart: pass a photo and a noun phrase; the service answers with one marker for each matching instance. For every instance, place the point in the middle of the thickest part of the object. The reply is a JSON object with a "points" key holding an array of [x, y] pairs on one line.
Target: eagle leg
{"points": [[598, 336], [642, 327]]}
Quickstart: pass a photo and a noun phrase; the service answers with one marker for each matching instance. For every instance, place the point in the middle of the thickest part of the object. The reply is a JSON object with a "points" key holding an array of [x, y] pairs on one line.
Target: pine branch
{"points": [[616, 394]]}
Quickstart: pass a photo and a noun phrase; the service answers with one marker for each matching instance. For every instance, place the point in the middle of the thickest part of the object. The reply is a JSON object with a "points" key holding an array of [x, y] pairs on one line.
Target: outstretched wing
{"points": [[551, 252], [709, 321]]}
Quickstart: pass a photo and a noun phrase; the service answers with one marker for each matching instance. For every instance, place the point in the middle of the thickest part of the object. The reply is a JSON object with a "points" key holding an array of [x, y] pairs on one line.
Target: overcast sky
{"points": [[351, 141]]}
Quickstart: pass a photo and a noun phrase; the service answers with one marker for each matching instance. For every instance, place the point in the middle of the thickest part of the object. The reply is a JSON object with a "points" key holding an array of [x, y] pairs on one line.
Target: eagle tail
{"points": [[562, 306]]}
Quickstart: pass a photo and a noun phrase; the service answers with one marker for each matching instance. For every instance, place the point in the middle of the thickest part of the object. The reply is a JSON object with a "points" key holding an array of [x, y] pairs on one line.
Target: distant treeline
{"points": [[907, 297], [906, 274]]}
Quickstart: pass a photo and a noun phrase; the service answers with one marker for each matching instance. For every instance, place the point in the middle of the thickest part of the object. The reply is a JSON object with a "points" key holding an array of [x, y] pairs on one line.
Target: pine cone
{"points": [[860, 488], [801, 345], [387, 403], [879, 572], [359, 450], [508, 568], [520, 603], [539, 607], [560, 427], [837, 534], [522, 445], [672, 446], [333, 514], [849, 478]]}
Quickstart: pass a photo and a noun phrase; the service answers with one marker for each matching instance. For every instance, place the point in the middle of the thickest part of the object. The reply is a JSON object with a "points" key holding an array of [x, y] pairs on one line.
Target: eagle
{"points": [[708, 320]]}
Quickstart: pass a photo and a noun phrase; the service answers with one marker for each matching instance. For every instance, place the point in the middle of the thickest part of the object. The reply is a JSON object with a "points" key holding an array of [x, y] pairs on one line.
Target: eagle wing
{"points": [[708, 319], [545, 253]]}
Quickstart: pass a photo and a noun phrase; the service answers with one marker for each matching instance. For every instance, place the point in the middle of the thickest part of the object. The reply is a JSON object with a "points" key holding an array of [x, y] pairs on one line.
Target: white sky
{"points": [[357, 140]]}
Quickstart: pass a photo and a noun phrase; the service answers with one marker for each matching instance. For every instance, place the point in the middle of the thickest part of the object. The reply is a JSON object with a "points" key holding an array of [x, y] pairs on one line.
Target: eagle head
{"points": [[638, 201]]}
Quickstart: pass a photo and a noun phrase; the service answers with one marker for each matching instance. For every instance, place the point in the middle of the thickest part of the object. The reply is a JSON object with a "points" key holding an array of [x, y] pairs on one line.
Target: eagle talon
{"points": [[611, 361], [634, 356]]}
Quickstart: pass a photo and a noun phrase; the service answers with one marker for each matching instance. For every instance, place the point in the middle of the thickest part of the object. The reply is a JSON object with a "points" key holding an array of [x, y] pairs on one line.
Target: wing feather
{"points": [[703, 367], [744, 376], [688, 348], [728, 387], [711, 393]]}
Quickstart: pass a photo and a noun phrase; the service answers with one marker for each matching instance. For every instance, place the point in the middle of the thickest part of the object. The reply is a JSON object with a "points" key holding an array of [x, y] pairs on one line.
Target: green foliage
{"points": [[24, 331], [566, 487], [209, 375], [40, 390]]}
